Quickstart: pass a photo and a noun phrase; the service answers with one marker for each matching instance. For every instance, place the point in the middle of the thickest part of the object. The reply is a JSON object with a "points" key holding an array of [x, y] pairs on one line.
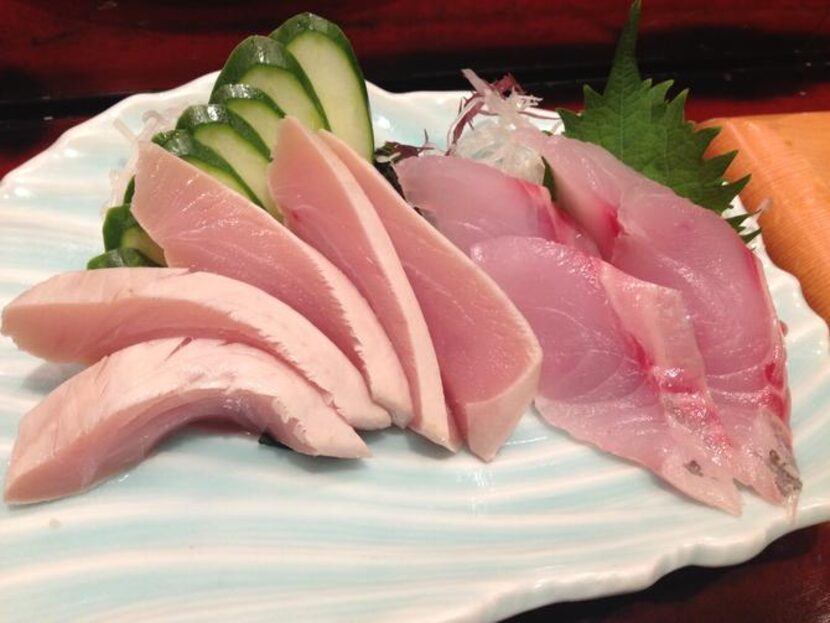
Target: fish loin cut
{"points": [[83, 316], [110, 415], [646, 230], [326, 207], [203, 225], [489, 357], [621, 370]]}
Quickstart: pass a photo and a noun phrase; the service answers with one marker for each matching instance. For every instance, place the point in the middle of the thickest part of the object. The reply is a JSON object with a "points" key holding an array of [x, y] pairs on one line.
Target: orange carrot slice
{"points": [[788, 157]]}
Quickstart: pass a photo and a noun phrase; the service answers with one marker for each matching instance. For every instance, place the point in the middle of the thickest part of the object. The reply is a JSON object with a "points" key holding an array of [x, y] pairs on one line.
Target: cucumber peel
{"points": [[129, 191]]}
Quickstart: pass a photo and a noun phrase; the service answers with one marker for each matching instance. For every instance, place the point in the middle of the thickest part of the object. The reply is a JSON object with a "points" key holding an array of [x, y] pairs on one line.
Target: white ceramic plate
{"points": [[217, 528]]}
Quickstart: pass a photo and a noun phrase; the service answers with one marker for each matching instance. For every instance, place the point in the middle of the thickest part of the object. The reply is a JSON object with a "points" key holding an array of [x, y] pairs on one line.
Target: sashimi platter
{"points": [[353, 355]]}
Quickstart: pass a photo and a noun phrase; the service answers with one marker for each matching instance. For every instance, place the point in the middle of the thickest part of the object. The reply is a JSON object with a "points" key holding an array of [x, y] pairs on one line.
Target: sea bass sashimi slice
{"points": [[471, 202], [82, 316], [203, 225], [109, 416], [646, 230], [489, 357], [621, 369], [326, 207]]}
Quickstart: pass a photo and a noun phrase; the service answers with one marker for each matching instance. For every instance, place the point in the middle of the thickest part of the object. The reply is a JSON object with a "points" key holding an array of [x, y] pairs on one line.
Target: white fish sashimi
{"points": [[621, 369], [646, 230], [109, 416], [83, 316], [325, 206], [471, 202], [203, 225], [489, 357]]}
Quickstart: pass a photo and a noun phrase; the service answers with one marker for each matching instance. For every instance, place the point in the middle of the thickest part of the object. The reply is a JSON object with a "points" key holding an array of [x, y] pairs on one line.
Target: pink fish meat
{"points": [[203, 225], [109, 416], [621, 367], [83, 316], [326, 207], [471, 202], [489, 357], [646, 230]]}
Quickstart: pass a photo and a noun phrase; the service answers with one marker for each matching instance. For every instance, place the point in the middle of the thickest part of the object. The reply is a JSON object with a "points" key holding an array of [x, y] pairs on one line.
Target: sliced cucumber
{"points": [[254, 106], [122, 231], [136, 238], [118, 258], [199, 118], [117, 221], [264, 63], [234, 140], [129, 191], [182, 144], [328, 60]]}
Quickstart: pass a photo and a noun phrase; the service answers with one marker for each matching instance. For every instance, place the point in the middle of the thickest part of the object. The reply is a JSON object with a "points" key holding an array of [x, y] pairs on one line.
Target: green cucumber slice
{"points": [[118, 220], [121, 231], [136, 238], [328, 60], [129, 191], [182, 144], [265, 64], [200, 117], [118, 258], [254, 106], [234, 140]]}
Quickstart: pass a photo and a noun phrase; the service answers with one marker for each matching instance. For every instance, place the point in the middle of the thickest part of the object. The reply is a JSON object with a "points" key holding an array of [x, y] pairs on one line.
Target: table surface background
{"points": [[64, 61]]}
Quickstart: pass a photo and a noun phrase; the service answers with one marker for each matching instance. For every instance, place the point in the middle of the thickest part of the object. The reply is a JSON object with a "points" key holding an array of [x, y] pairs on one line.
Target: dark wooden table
{"points": [[63, 61]]}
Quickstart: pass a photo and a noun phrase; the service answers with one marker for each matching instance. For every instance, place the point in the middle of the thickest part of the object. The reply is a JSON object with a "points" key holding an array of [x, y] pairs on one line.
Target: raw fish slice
{"points": [[82, 316], [489, 358], [649, 232], [620, 368], [471, 202], [109, 416], [658, 320], [325, 206], [203, 225]]}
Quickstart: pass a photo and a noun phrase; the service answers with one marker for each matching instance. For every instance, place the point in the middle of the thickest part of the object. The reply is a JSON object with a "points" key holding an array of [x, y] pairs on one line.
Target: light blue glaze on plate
{"points": [[218, 528]]}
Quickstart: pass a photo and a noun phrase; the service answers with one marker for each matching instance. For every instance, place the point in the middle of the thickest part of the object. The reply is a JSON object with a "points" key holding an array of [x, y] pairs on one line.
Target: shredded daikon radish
{"points": [[491, 141]]}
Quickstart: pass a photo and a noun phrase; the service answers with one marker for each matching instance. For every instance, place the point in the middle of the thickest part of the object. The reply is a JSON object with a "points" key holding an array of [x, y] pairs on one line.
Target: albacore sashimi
{"points": [[203, 225], [326, 207], [471, 202], [621, 368], [83, 316], [648, 231], [489, 357], [109, 416]]}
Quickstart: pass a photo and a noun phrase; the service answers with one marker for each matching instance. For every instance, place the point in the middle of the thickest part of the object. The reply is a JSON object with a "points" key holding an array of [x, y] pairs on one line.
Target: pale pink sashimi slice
{"points": [[82, 316], [325, 206], [621, 369], [109, 416], [489, 357], [203, 225], [646, 230], [471, 202]]}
